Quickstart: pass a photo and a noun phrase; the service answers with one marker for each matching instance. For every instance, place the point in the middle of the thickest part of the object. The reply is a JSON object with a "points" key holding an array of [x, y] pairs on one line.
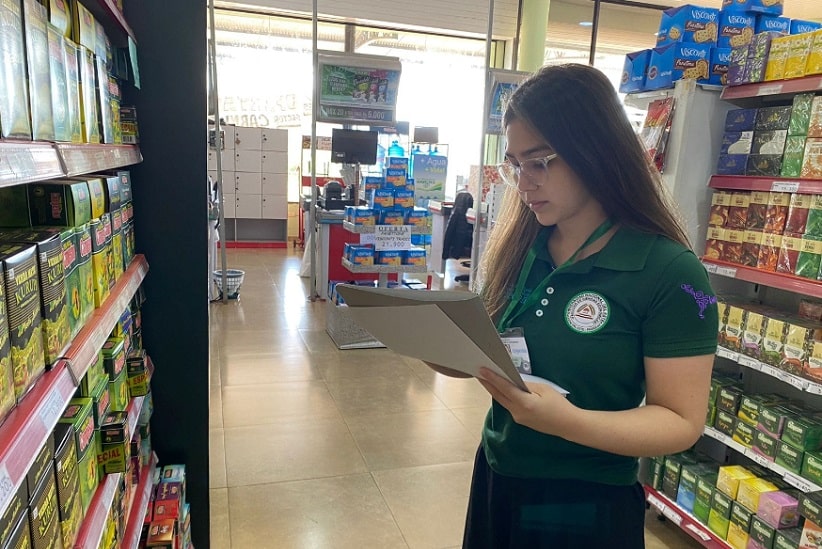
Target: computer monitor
{"points": [[353, 146]]}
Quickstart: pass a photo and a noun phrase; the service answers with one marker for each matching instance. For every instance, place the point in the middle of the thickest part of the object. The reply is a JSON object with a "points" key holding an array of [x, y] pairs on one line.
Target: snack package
{"points": [[794, 156], [813, 225], [812, 161], [715, 243], [738, 210], [735, 238], [769, 252], [800, 114], [750, 248], [757, 209], [810, 258], [776, 213], [789, 254], [720, 204], [798, 213]]}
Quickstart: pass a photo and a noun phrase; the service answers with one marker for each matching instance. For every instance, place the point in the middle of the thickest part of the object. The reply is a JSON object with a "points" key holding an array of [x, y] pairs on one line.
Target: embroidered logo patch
{"points": [[587, 313], [702, 299]]}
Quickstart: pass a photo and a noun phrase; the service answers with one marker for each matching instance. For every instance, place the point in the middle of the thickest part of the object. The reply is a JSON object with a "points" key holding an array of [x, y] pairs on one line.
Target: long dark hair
{"points": [[577, 111]]}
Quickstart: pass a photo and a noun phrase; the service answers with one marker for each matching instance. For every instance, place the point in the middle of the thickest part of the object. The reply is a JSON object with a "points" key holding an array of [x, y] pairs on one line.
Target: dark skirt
{"points": [[508, 512]]}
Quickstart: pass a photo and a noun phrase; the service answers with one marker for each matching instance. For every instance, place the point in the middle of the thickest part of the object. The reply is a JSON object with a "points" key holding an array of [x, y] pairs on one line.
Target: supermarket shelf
{"points": [[791, 478], [767, 184], [27, 161], [87, 158], [24, 431], [384, 269], [782, 281], [91, 530], [783, 90], [684, 520], [749, 362], [107, 13], [641, 100], [371, 229], [139, 506]]}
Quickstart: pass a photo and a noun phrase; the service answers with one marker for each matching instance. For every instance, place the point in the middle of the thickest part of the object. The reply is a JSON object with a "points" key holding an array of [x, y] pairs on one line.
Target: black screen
{"points": [[352, 146]]}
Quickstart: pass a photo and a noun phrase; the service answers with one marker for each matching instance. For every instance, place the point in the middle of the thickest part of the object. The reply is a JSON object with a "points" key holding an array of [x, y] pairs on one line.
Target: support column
{"points": [[533, 24]]}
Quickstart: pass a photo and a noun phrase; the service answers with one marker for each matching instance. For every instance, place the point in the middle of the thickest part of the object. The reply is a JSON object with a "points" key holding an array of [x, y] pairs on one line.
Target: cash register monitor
{"points": [[353, 146]]}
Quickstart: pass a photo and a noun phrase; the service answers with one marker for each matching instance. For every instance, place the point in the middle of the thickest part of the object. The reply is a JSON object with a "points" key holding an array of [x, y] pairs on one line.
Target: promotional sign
{"points": [[356, 89], [429, 171], [503, 85]]}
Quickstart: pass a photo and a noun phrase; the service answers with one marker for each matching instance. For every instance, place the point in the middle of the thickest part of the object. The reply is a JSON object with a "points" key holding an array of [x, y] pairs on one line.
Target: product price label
{"points": [[6, 487], [770, 370], [785, 186], [749, 362], [710, 267], [392, 237], [699, 532], [672, 515], [726, 353], [799, 482], [814, 388], [771, 89], [51, 409], [753, 456], [730, 272]]}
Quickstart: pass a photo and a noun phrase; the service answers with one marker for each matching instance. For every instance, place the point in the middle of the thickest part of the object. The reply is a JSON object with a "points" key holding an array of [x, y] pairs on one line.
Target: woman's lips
{"points": [[537, 205]]}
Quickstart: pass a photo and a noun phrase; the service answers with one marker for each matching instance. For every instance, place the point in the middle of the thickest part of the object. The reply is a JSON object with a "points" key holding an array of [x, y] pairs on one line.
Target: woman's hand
{"points": [[446, 371], [543, 409]]}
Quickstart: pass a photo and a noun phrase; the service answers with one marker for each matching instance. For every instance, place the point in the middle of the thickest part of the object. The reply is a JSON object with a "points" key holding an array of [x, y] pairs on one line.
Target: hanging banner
{"points": [[358, 89], [503, 85], [429, 171]]}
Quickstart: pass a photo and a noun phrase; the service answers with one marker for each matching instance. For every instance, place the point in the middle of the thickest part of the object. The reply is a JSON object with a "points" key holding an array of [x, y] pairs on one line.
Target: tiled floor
{"points": [[317, 448]]}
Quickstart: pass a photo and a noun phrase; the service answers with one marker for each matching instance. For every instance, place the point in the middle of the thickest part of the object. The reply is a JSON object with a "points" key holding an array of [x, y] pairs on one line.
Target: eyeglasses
{"points": [[534, 168]]}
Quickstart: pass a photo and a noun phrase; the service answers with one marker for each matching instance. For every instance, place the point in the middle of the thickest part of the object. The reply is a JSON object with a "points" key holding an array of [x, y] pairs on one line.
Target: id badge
{"points": [[514, 341]]}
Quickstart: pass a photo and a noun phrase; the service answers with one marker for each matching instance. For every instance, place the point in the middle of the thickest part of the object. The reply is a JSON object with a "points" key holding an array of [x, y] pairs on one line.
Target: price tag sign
{"points": [[814, 388], [799, 482], [785, 186], [656, 502], [710, 267], [726, 353], [672, 515], [772, 89], [6, 487], [730, 272], [392, 237], [770, 370], [699, 532], [52, 409], [753, 456], [749, 362]]}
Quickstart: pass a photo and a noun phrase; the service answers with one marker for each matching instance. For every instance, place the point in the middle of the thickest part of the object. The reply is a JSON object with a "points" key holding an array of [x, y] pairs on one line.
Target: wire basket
{"points": [[233, 279]]}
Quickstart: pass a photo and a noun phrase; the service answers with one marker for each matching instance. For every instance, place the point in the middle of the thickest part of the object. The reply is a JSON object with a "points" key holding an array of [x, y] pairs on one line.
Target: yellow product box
{"points": [[100, 246], [88, 474], [815, 121], [814, 65], [743, 433], [750, 489], [733, 328], [773, 341], [799, 340], [729, 477], [83, 25], [753, 321], [719, 517], [798, 55], [117, 245]]}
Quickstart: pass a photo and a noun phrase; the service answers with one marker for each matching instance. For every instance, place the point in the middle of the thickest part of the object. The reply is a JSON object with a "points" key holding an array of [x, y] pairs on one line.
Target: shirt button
{"points": [[539, 312], [549, 290], [544, 302]]}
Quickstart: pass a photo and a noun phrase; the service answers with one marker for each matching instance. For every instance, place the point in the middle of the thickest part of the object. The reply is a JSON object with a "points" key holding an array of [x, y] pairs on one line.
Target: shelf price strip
{"points": [[679, 517], [795, 381]]}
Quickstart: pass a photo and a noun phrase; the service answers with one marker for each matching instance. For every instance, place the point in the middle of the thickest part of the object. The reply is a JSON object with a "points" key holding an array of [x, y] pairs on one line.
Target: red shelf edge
{"points": [[117, 15], [781, 281], [139, 506], [688, 524], [91, 529], [767, 184], [761, 89]]}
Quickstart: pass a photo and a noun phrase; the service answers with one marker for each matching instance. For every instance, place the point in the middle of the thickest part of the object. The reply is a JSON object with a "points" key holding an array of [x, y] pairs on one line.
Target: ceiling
{"points": [[795, 9]]}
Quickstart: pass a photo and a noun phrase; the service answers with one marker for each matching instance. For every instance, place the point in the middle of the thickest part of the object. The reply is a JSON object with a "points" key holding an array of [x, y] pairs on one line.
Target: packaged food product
{"points": [[720, 204], [798, 213]]}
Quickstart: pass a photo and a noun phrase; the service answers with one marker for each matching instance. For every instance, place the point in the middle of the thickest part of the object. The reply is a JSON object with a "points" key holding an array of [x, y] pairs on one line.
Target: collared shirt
{"points": [[642, 295]]}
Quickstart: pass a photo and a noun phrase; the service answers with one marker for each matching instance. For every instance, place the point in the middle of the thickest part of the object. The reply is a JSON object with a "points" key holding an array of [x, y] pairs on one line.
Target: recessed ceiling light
{"points": [[586, 24]]}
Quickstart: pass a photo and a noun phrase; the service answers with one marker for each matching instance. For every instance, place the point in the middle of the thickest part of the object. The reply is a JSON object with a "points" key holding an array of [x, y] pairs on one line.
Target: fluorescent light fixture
{"points": [[586, 24]]}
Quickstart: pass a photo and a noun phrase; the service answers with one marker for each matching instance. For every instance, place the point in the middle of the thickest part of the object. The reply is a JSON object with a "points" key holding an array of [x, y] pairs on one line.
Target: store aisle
{"points": [[317, 448]]}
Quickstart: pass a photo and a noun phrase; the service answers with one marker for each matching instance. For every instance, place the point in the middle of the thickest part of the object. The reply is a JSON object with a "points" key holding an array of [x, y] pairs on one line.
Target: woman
{"points": [[589, 265]]}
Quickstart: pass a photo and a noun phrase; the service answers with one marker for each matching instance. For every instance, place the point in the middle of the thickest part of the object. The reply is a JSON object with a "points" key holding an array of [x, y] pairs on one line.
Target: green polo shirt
{"points": [[641, 296]]}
